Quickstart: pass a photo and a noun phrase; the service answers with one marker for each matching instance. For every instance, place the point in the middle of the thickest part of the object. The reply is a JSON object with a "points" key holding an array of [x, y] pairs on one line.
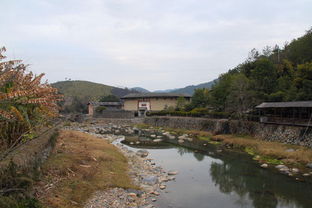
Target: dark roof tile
{"points": [[295, 104], [154, 95]]}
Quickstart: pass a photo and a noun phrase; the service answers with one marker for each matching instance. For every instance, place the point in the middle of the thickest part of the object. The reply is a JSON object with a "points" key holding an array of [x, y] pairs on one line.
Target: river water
{"points": [[211, 179]]}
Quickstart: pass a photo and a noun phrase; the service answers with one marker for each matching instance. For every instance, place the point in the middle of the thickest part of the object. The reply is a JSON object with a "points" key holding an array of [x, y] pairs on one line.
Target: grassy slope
{"points": [[82, 89], [80, 165]]}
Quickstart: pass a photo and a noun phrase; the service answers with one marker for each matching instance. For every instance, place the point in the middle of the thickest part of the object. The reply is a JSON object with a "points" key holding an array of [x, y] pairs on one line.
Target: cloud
{"points": [[154, 44]]}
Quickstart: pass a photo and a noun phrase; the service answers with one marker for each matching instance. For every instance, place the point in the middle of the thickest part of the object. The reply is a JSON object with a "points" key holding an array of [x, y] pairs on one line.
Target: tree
{"points": [[200, 98], [240, 98], [181, 102], [25, 102], [303, 81], [109, 98]]}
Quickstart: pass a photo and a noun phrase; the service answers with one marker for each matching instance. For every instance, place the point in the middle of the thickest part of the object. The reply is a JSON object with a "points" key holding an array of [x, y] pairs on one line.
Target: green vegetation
{"points": [[109, 98], [100, 109], [78, 93], [25, 104], [191, 89], [14, 189], [276, 74]]}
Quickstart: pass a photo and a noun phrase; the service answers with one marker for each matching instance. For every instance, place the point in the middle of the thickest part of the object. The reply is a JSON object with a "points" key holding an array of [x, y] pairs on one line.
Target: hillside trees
{"points": [[273, 75], [25, 102]]}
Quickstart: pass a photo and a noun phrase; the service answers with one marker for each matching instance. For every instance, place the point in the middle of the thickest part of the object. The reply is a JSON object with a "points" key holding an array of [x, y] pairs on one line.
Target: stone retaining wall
{"points": [[29, 156], [114, 114], [115, 121], [270, 132]]}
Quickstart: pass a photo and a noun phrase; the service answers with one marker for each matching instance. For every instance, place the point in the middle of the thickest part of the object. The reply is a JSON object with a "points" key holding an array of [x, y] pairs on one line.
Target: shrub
{"points": [[100, 109], [25, 102]]}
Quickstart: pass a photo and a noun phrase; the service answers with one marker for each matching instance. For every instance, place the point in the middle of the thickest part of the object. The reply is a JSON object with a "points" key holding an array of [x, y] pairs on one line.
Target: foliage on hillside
{"points": [[79, 93], [191, 88], [25, 102], [275, 74]]}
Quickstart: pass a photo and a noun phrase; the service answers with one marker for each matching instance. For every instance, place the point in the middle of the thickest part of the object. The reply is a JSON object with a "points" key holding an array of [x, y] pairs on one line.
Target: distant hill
{"points": [[140, 89], [164, 91], [190, 89], [78, 93]]}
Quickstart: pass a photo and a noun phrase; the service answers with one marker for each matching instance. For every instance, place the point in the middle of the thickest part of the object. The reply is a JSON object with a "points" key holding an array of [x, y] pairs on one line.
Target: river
{"points": [[211, 179]]}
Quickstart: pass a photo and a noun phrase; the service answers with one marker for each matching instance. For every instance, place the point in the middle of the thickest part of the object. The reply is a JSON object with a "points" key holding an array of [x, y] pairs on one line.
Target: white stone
{"points": [[264, 165]]}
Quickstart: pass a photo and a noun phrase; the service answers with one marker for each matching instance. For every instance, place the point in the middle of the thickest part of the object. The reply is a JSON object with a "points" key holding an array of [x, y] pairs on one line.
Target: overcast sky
{"points": [[155, 44]]}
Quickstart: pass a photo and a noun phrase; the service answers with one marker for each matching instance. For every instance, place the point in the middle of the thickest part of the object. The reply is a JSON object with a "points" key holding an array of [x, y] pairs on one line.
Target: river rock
{"points": [[309, 165], [171, 137], [180, 140], [142, 153], [150, 180], [264, 165], [172, 172], [149, 206], [295, 170], [153, 136], [290, 150], [162, 187], [281, 166], [157, 140], [189, 139], [182, 137]]}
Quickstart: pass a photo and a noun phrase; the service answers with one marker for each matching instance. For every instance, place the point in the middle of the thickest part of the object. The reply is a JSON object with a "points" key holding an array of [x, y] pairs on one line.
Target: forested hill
{"points": [[79, 93], [273, 74], [191, 88]]}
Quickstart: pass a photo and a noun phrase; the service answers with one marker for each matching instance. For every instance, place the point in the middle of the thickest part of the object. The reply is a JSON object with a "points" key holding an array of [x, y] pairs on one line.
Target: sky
{"points": [[154, 44]]}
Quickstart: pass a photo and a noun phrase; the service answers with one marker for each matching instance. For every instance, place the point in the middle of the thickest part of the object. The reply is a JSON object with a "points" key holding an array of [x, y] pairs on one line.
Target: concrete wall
{"points": [[270, 132], [157, 104], [131, 105]]}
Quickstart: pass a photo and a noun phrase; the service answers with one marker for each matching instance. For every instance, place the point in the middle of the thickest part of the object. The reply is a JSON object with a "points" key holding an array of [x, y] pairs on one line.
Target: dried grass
{"points": [[271, 149], [80, 165]]}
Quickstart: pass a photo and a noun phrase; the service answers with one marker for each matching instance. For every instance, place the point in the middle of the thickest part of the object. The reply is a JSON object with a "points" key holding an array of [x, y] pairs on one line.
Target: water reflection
{"points": [[228, 179], [264, 189]]}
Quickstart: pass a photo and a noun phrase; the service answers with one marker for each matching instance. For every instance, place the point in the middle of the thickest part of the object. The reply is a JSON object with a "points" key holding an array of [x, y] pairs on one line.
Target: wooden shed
{"points": [[292, 113]]}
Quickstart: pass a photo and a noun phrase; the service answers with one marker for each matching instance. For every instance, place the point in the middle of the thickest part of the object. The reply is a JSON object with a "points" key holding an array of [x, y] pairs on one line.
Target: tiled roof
{"points": [[154, 95], [295, 104]]}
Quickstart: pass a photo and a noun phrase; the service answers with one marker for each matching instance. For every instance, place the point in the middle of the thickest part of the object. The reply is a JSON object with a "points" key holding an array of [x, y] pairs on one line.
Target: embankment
{"points": [[269, 132]]}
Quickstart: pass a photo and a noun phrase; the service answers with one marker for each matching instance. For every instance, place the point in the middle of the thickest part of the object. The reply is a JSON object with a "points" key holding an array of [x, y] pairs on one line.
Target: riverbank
{"points": [[86, 170], [292, 160]]}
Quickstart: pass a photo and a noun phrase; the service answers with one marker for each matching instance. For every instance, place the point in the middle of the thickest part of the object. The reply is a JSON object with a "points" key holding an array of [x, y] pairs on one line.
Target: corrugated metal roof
{"points": [[295, 104], [154, 95]]}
